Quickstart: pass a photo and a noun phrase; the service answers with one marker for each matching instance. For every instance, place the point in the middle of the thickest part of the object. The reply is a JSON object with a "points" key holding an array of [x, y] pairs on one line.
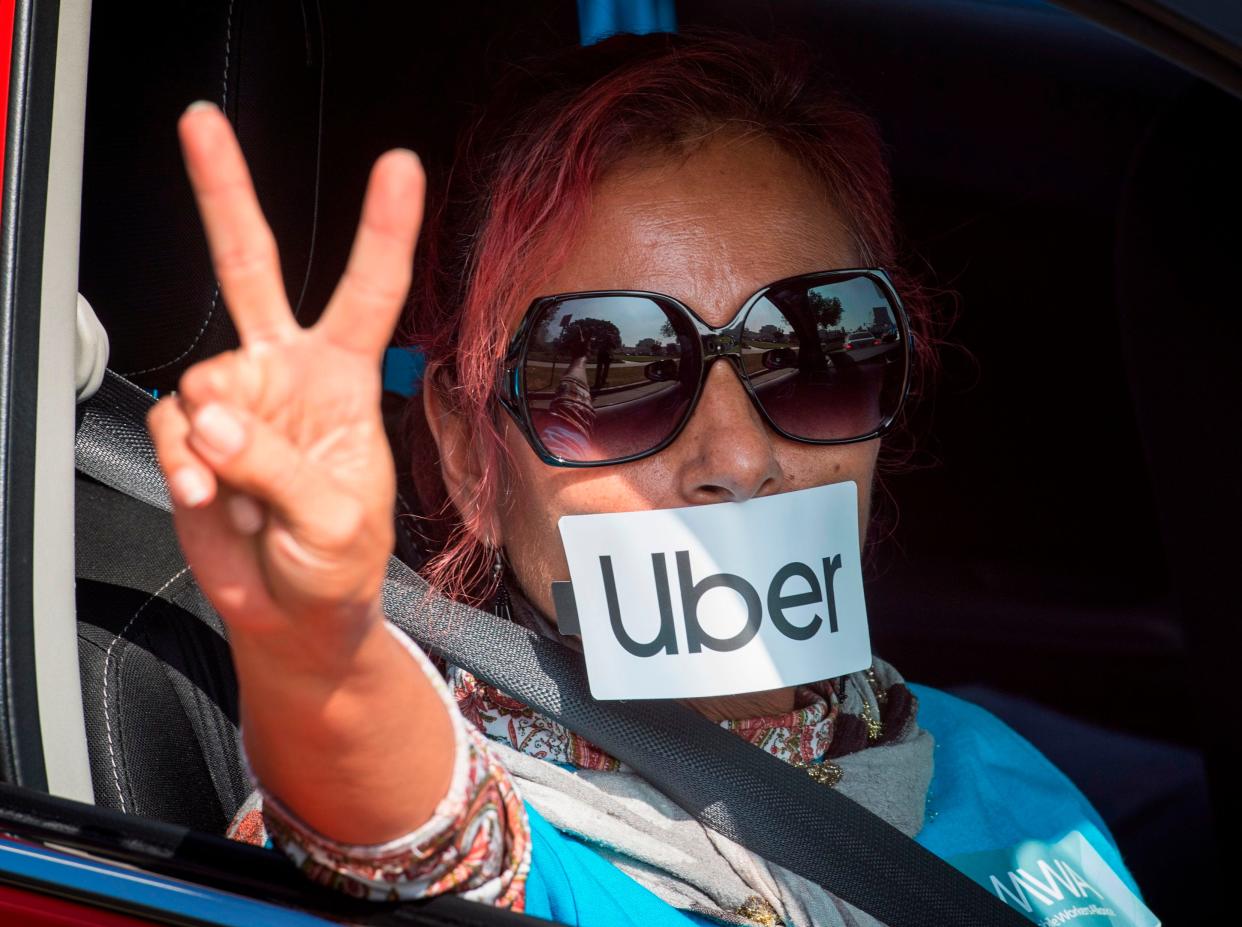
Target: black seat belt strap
{"points": [[749, 796]]}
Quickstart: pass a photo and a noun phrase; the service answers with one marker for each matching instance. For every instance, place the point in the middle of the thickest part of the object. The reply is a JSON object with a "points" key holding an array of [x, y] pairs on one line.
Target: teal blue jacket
{"points": [[991, 789]]}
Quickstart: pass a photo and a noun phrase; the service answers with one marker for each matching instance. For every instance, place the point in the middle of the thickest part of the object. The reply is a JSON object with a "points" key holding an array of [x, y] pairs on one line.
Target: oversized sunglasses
{"points": [[612, 376]]}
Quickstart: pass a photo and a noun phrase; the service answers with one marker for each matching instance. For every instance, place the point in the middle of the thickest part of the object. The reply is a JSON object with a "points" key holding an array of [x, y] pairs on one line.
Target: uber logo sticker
{"points": [[720, 599]]}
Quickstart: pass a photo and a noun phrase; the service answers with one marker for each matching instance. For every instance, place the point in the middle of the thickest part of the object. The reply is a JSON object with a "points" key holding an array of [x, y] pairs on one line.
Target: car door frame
{"points": [[42, 733]]}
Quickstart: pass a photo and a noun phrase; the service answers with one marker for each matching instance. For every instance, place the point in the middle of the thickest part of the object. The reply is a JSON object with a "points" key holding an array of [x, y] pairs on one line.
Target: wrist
{"points": [[364, 761], [324, 703], [319, 655]]}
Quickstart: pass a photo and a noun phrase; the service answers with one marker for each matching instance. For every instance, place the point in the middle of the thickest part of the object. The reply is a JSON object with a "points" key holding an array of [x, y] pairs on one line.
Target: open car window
{"points": [[1036, 556]]}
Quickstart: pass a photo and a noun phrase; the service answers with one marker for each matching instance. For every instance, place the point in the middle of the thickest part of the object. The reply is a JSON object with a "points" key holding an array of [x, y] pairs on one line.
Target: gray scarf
{"points": [[692, 867]]}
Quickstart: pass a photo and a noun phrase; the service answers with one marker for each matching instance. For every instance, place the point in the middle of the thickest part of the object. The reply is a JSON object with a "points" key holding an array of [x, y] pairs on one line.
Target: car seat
{"points": [[159, 692]]}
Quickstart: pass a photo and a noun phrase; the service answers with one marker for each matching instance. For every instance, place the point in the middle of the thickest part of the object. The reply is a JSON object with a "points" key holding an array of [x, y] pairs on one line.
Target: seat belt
{"points": [[722, 781]]}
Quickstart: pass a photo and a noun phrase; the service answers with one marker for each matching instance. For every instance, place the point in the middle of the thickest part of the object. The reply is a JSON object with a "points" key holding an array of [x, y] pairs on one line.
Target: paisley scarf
{"points": [[856, 733]]}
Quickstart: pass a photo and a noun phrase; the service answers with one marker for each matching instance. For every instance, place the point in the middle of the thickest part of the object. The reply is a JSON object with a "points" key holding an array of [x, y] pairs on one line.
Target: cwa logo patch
{"points": [[720, 599], [1059, 883]]}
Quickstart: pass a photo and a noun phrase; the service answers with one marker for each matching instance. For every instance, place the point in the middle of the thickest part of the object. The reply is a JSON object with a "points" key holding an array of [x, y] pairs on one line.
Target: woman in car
{"points": [[707, 169]]}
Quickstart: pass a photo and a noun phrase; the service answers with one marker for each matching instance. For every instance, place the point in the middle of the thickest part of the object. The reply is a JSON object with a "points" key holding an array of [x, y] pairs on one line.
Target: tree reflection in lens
{"points": [[604, 377], [814, 375]]}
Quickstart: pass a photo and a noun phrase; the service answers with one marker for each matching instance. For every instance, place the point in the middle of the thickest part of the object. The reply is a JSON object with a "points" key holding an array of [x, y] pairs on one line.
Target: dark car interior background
{"points": [[1073, 196]]}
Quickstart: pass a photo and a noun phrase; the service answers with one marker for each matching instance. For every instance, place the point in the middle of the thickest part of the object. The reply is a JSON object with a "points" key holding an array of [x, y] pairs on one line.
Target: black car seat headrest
{"points": [[144, 264]]}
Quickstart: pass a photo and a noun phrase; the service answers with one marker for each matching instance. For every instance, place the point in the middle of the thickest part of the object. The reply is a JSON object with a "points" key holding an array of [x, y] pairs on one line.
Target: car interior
{"points": [[1055, 528]]}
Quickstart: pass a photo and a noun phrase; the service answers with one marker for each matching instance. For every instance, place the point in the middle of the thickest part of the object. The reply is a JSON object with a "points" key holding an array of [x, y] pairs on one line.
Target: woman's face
{"points": [[709, 229]]}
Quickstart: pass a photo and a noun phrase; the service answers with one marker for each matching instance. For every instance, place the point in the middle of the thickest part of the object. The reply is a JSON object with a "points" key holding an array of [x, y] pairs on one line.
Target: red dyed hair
{"points": [[520, 186]]}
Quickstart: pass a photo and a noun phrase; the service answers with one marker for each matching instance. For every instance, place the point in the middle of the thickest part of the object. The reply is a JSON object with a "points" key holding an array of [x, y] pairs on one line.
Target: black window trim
{"points": [[1159, 27]]}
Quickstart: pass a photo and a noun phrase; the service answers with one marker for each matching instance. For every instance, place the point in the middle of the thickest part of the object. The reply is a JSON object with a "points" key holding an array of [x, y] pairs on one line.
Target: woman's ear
{"points": [[461, 466]]}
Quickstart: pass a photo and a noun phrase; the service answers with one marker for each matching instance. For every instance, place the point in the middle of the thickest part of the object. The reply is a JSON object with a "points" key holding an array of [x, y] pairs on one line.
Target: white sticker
{"points": [[720, 599]]}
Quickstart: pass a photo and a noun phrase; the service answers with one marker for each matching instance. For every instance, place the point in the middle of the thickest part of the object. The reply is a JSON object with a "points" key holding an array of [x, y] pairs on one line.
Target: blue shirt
{"points": [[990, 790]]}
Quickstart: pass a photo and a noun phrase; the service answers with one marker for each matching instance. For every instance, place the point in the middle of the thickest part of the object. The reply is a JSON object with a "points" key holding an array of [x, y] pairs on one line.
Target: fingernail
{"points": [[219, 429], [246, 514], [198, 105], [189, 487]]}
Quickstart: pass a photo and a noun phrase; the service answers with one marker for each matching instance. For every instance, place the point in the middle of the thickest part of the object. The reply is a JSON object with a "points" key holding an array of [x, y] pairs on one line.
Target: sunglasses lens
{"points": [[827, 362], [603, 376]]}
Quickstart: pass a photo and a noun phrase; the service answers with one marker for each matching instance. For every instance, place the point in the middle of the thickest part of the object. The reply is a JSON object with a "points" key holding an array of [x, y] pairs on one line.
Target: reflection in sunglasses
{"points": [[609, 376]]}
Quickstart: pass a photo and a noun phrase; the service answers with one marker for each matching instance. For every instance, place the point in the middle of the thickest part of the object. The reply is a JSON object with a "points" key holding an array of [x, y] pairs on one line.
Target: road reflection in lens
{"points": [[826, 362], [604, 378]]}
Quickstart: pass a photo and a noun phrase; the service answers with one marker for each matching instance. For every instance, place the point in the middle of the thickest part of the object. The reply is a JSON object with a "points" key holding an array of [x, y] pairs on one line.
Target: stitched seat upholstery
{"points": [[159, 691]]}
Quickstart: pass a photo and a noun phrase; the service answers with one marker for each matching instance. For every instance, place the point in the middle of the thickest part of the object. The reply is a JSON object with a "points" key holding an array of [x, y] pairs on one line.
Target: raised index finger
{"points": [[243, 250]]}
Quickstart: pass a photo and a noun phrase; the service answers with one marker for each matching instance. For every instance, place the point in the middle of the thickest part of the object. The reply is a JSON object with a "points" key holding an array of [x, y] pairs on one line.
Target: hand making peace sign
{"points": [[278, 467], [282, 485]]}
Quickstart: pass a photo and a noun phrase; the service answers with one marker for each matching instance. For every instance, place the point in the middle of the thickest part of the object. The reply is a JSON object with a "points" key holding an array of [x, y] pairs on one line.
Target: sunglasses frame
{"points": [[715, 343]]}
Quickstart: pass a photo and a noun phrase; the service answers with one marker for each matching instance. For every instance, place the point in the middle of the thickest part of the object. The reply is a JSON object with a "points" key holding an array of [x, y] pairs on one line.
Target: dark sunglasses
{"points": [[612, 376]]}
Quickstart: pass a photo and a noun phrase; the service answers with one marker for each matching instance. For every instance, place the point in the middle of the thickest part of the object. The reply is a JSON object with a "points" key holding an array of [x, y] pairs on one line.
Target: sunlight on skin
{"points": [[710, 230], [283, 485]]}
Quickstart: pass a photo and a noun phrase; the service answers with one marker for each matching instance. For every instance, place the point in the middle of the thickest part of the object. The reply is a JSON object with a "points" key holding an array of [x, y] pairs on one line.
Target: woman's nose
{"points": [[726, 452]]}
